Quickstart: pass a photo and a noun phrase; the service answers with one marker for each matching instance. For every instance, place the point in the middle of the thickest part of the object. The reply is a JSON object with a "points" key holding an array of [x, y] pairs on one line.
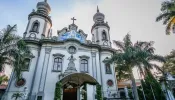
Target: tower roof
{"points": [[43, 6], [99, 17]]}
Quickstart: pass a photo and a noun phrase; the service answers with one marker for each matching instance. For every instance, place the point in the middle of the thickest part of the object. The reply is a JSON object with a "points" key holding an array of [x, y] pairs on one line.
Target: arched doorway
{"points": [[71, 84]]}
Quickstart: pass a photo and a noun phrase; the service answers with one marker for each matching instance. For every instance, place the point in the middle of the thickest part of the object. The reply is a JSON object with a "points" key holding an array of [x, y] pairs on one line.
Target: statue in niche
{"points": [[71, 66]]}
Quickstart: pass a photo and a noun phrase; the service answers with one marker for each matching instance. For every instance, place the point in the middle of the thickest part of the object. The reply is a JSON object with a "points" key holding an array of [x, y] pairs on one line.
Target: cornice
{"points": [[50, 41]]}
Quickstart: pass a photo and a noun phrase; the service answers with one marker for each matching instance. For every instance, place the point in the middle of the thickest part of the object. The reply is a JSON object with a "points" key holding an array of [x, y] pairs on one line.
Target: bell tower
{"points": [[100, 30], [39, 22]]}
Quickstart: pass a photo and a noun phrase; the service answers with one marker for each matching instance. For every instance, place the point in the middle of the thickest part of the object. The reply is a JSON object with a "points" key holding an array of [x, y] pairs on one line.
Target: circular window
{"points": [[20, 82], [72, 50], [110, 83]]}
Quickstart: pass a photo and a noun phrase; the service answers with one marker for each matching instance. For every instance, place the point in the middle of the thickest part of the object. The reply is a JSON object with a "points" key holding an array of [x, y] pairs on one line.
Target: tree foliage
{"points": [[149, 82], [140, 54], [58, 91], [13, 50], [17, 95], [99, 92], [169, 66], [167, 14], [8, 42]]}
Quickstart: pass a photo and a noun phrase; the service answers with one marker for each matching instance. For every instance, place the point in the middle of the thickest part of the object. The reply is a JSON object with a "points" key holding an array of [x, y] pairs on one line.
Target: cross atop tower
{"points": [[73, 19]]}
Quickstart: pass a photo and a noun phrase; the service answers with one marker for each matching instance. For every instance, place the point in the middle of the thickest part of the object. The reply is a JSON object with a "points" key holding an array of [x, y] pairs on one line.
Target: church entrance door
{"points": [[70, 94]]}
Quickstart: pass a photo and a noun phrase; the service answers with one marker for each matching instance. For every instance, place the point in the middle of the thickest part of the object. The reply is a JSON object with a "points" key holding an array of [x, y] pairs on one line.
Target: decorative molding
{"points": [[84, 57], [58, 55], [48, 50]]}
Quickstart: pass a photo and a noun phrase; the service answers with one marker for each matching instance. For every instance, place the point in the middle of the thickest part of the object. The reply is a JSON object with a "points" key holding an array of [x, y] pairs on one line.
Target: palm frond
{"points": [[167, 5], [157, 58], [163, 16], [127, 41], [119, 44]]}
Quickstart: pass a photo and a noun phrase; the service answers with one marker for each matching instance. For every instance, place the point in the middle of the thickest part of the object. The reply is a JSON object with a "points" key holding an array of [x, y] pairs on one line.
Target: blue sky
{"points": [[16, 12], [136, 16]]}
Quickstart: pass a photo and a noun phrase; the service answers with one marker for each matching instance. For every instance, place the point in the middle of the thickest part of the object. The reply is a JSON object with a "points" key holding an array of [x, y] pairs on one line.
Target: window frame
{"points": [[84, 57], [58, 63], [57, 55]]}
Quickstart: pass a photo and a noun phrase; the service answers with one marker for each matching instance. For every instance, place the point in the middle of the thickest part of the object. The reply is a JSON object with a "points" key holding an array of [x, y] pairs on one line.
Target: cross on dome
{"points": [[73, 19]]}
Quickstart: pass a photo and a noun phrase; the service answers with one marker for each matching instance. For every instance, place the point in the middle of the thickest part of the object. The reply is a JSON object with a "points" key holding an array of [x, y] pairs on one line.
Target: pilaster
{"points": [[44, 69]]}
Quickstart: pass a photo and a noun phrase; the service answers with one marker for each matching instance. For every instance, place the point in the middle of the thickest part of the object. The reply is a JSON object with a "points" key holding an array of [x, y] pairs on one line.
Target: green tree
{"points": [[169, 66], [99, 92], [129, 55], [8, 42], [167, 14], [58, 91], [20, 55], [13, 50], [150, 85], [17, 95]]}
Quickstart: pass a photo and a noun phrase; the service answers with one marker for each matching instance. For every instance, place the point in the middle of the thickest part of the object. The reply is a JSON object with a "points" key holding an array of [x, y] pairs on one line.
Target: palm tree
{"points": [[8, 42], [128, 56], [17, 95], [169, 66], [20, 55], [167, 14], [13, 50]]}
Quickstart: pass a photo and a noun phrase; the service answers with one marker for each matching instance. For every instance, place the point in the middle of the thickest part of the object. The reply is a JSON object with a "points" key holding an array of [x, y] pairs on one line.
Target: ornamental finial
{"points": [[97, 9]]}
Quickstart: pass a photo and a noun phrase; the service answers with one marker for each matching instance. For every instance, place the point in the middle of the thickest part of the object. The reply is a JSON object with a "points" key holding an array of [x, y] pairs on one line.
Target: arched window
{"points": [[35, 26], [57, 64], [108, 69], [84, 65], [104, 37], [26, 64]]}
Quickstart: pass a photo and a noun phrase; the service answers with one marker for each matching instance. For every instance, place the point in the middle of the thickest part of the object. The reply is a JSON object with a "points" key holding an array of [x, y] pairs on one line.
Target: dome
{"points": [[99, 17], [43, 7]]}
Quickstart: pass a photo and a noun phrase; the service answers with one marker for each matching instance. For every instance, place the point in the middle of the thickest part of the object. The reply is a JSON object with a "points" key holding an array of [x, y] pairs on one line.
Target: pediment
{"points": [[72, 33]]}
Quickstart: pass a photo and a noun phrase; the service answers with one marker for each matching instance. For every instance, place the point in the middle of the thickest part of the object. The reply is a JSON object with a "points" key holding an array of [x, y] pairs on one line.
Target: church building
{"points": [[69, 58]]}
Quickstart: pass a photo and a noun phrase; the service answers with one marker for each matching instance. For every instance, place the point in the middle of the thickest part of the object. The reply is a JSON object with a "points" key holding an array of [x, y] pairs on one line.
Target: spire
{"points": [[97, 9], [45, 0]]}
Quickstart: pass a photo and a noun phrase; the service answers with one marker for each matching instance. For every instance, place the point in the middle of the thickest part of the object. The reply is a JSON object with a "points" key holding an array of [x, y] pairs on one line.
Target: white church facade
{"points": [[68, 58]]}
